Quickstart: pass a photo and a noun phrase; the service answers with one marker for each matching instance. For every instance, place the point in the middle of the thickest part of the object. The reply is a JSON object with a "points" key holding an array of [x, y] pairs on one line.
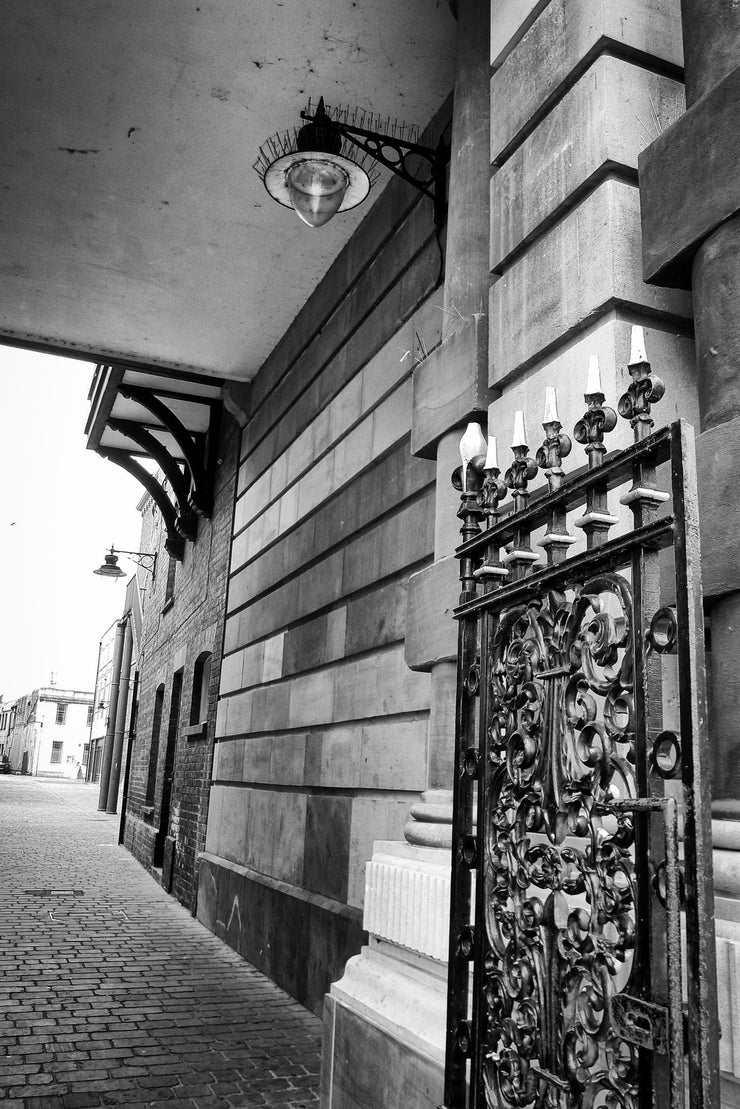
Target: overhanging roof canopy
{"points": [[170, 419], [132, 226]]}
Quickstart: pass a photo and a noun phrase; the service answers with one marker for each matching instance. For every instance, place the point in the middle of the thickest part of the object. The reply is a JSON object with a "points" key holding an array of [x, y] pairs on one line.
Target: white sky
{"points": [[61, 507]]}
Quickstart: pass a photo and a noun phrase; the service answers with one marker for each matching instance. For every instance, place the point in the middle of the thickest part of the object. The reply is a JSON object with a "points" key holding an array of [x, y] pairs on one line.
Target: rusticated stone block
{"points": [[561, 43], [510, 20], [603, 122], [718, 464], [449, 386], [431, 631], [671, 355], [587, 264], [679, 210]]}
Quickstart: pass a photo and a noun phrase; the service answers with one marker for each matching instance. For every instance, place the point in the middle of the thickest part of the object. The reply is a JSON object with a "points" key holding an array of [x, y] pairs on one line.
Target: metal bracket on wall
{"points": [[175, 542], [200, 494]]}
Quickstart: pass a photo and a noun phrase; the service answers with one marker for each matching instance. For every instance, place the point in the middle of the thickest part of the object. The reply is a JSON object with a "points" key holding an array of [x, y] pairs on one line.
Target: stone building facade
{"points": [[308, 823], [321, 733]]}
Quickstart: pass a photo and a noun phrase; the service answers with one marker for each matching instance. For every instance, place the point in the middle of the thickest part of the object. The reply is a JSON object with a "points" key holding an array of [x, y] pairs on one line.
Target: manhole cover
{"points": [[54, 893]]}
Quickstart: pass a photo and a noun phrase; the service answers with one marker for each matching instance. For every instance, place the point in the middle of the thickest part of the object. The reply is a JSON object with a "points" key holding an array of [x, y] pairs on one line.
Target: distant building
{"points": [[47, 732], [181, 634], [7, 715], [101, 702], [108, 680]]}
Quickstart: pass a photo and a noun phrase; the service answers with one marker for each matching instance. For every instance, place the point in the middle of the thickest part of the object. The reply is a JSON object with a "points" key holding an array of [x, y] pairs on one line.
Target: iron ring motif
{"points": [[558, 869]]}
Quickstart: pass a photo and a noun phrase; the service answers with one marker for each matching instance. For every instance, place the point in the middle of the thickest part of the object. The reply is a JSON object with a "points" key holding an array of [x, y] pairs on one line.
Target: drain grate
{"points": [[54, 893]]}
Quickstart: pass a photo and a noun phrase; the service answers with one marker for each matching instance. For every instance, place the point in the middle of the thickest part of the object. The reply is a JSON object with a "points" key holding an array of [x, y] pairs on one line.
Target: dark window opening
{"points": [[56, 751], [61, 714], [169, 591], [168, 770], [201, 685], [151, 780]]}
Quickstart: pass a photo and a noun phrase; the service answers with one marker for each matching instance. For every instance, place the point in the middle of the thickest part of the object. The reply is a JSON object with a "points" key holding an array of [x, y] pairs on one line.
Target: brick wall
{"points": [[173, 638], [321, 734]]}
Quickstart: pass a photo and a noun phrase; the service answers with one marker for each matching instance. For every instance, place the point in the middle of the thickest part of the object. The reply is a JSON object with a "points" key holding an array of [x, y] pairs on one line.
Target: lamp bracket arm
{"points": [[139, 556], [393, 152]]}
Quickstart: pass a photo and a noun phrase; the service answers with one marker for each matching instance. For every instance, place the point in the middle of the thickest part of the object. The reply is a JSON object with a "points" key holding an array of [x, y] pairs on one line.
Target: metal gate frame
{"points": [[569, 891]]}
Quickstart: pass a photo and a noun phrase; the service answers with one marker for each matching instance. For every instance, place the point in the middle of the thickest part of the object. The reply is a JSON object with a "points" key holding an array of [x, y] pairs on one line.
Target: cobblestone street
{"points": [[111, 993]]}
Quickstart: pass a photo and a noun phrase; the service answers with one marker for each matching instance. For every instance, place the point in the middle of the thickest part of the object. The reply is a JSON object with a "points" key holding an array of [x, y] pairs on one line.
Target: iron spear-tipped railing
{"points": [[569, 983]]}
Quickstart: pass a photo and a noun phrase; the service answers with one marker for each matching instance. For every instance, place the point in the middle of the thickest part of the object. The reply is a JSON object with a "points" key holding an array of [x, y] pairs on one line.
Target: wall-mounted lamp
{"points": [[109, 568], [326, 166]]}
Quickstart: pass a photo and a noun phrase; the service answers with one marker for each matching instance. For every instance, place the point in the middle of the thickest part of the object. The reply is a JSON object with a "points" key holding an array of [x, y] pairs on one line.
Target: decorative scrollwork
{"points": [[560, 885]]}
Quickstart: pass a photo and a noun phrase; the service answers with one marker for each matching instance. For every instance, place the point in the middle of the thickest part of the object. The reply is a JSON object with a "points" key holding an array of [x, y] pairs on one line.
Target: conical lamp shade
{"points": [[110, 567], [316, 187]]}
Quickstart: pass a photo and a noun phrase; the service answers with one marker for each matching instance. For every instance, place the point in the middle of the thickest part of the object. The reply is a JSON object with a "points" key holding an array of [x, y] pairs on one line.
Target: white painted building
{"points": [[48, 732]]}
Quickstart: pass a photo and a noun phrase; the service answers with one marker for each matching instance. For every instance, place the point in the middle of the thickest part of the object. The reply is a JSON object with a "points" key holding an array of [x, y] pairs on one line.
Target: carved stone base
{"points": [[431, 820], [384, 1021]]}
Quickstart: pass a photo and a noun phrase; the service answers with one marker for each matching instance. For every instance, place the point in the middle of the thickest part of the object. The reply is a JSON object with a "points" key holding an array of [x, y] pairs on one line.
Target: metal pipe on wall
{"points": [[89, 763], [112, 712], [120, 722]]}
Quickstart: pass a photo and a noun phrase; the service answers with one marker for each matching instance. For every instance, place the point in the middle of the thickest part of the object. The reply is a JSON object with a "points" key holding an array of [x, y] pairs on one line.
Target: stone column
{"points": [[695, 242], [690, 196], [449, 389]]}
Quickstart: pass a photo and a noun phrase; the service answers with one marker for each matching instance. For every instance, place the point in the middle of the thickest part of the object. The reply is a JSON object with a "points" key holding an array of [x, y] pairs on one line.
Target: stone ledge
{"points": [[370, 987], [384, 1032], [327, 904]]}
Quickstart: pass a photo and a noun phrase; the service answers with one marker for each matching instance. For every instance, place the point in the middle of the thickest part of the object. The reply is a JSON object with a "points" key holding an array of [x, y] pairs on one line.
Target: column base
{"points": [[384, 1021]]}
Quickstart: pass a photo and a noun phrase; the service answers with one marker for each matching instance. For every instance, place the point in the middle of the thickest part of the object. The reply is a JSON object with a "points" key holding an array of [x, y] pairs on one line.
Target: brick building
{"points": [[179, 664], [310, 553]]}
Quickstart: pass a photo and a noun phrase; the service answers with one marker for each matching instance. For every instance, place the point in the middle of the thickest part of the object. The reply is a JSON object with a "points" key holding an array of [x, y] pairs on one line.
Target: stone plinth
{"points": [[384, 1021]]}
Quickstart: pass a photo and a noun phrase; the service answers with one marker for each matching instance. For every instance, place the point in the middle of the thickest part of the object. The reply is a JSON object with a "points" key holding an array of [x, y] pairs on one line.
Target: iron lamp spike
{"points": [[593, 382], [520, 434], [638, 352]]}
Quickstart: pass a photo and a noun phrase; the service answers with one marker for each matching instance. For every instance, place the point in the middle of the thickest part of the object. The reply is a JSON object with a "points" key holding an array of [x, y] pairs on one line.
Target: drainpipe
{"points": [[112, 707], [88, 765], [120, 724], [129, 754]]}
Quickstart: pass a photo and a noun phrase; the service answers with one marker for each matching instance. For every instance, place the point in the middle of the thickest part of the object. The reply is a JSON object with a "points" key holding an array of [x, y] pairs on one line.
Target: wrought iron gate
{"points": [[582, 895]]}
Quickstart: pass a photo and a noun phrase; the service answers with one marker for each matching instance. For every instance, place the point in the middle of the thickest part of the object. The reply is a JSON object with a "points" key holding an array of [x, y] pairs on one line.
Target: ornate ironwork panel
{"points": [[582, 827]]}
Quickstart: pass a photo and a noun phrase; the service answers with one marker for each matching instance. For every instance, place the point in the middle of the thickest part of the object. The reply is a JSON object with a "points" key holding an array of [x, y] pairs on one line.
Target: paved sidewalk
{"points": [[113, 994]]}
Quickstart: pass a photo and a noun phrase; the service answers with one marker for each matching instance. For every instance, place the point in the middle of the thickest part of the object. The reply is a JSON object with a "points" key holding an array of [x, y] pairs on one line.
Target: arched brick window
{"points": [[201, 683], [151, 780]]}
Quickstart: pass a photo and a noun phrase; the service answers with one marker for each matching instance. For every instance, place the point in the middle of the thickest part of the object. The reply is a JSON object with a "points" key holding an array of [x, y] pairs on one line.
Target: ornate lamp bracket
{"points": [[398, 155]]}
